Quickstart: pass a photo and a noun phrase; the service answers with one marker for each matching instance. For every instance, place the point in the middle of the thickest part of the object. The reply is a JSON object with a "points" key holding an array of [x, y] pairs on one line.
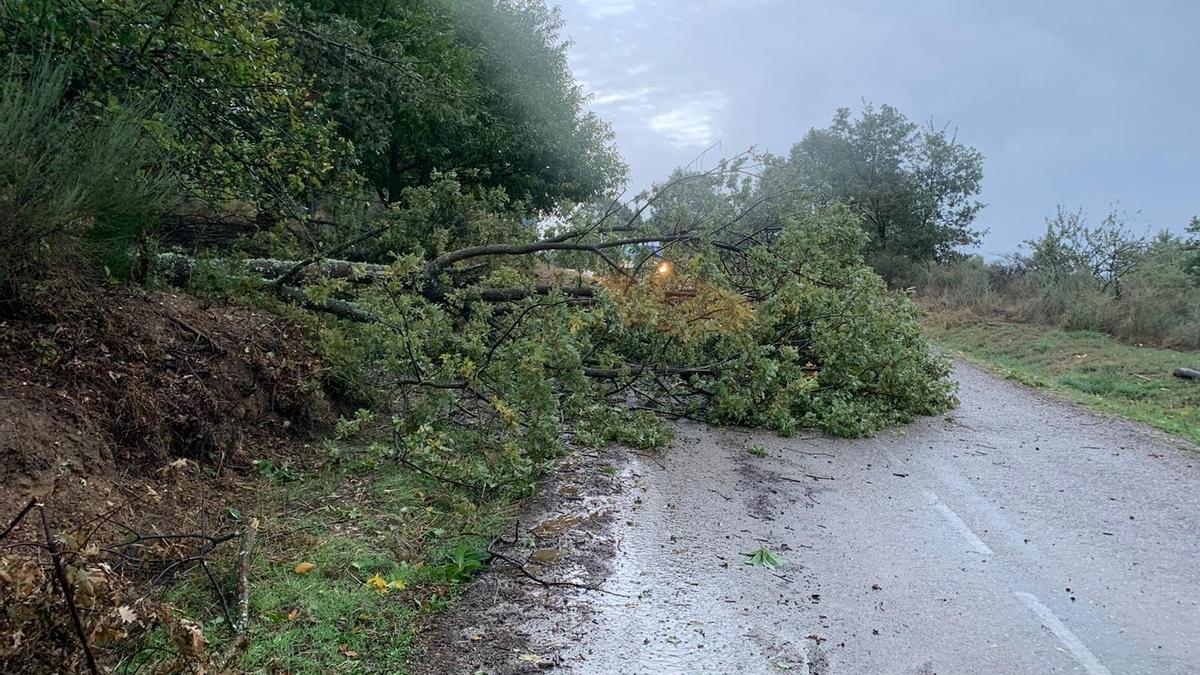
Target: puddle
{"points": [[558, 525], [546, 556]]}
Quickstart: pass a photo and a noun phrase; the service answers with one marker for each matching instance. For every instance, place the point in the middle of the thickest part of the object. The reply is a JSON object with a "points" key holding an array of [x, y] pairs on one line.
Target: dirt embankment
{"points": [[100, 395], [140, 414]]}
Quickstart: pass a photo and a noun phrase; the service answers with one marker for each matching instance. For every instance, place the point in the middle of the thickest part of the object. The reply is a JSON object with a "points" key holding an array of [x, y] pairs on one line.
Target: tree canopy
{"points": [[287, 106], [914, 186], [476, 87]]}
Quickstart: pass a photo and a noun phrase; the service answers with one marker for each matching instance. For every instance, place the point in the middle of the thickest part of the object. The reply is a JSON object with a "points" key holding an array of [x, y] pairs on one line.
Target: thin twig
{"points": [[807, 475], [20, 516], [60, 575], [243, 586], [521, 568], [220, 594]]}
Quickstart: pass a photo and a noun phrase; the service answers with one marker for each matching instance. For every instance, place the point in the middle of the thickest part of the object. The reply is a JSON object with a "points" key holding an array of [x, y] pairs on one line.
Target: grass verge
{"points": [[1087, 367], [352, 558]]}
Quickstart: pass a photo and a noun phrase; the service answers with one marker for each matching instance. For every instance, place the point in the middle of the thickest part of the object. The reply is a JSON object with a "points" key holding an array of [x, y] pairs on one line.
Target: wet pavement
{"points": [[1018, 534]]}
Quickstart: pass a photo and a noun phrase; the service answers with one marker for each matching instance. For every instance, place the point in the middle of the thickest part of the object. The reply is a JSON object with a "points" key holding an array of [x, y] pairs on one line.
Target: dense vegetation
{"points": [[426, 138], [1079, 276], [419, 185]]}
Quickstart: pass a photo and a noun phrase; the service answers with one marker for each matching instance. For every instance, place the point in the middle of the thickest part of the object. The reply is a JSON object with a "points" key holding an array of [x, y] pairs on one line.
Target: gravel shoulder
{"points": [[1018, 534]]}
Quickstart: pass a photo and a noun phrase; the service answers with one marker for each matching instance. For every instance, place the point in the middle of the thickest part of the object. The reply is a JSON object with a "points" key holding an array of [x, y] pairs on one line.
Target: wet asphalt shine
{"points": [[1017, 534]]}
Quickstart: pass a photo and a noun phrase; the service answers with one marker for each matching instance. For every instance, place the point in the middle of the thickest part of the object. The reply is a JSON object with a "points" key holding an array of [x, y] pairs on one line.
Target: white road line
{"points": [[957, 523], [982, 506], [1082, 654]]}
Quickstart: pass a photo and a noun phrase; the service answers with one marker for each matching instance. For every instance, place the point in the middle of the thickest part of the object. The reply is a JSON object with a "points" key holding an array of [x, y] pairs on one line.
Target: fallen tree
{"points": [[711, 312]]}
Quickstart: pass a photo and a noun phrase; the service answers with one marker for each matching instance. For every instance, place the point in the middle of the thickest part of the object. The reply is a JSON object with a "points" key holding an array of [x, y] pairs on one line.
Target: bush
{"points": [[77, 186], [1078, 277], [1160, 300], [963, 284]]}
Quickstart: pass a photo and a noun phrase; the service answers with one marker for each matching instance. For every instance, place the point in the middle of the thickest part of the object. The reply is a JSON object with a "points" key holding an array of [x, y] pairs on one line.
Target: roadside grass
{"points": [[382, 548], [1087, 367]]}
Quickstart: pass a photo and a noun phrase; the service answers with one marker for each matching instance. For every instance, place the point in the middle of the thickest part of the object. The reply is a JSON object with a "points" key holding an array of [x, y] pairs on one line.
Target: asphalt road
{"points": [[1018, 534]]}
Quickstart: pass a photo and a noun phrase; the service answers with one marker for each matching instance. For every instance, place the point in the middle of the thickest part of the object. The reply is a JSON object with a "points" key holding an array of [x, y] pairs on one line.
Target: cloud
{"points": [[691, 123], [628, 96], [599, 9]]}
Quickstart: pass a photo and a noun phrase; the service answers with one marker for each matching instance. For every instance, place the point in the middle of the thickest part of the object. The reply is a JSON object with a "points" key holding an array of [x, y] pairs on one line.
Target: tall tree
{"points": [[481, 88], [914, 186], [282, 110], [231, 103]]}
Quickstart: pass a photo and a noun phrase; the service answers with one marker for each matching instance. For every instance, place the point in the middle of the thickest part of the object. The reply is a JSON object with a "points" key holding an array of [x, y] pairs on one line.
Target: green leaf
{"points": [[763, 558]]}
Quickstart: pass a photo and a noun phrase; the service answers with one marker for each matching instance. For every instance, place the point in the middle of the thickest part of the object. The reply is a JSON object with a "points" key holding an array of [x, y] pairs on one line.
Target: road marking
{"points": [[957, 523], [981, 505], [1074, 645], [1082, 654]]}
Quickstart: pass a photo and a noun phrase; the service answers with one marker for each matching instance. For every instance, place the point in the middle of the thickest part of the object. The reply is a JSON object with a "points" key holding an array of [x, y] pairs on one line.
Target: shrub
{"points": [[963, 284], [1079, 277], [1160, 300], [77, 186]]}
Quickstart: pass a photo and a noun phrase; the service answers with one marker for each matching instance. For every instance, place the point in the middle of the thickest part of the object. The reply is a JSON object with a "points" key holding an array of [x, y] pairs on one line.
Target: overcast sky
{"points": [[1083, 102]]}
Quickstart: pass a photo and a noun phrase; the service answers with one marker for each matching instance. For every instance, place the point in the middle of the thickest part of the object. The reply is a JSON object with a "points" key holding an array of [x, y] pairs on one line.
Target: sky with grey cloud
{"points": [[1084, 102]]}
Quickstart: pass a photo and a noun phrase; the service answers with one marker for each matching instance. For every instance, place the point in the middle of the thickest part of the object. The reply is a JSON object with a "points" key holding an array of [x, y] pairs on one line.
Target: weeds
{"points": [[352, 557]]}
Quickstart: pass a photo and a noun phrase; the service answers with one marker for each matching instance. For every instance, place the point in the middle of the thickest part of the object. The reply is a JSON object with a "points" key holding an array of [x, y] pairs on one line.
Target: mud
{"points": [[506, 622], [1018, 534]]}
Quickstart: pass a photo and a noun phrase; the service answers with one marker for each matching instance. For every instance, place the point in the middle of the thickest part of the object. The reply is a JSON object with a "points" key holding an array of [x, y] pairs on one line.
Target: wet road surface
{"points": [[1018, 534]]}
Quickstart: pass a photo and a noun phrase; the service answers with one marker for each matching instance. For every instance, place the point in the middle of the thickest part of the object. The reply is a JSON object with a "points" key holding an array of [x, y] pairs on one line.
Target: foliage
{"points": [[913, 186], [763, 558], [462, 563], [1081, 277], [605, 424], [480, 88], [76, 185], [419, 137], [243, 125], [306, 118], [483, 374], [1106, 252], [35, 610]]}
